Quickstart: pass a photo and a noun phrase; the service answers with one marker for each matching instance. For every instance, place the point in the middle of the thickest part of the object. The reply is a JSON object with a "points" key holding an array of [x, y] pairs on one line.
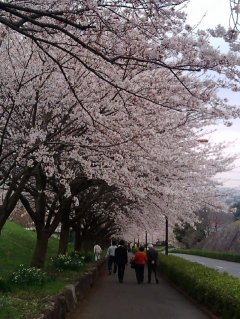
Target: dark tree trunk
{"points": [[40, 252], [78, 240], [65, 209], [11, 199], [3, 217], [87, 242], [64, 239], [6, 210]]}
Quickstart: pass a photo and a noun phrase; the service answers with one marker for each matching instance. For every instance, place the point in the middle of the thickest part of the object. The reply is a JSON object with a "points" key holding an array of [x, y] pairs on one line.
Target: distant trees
{"points": [[235, 208], [189, 235], [210, 221]]}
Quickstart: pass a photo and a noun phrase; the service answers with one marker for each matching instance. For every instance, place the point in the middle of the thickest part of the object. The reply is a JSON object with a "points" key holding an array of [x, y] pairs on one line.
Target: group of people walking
{"points": [[118, 258]]}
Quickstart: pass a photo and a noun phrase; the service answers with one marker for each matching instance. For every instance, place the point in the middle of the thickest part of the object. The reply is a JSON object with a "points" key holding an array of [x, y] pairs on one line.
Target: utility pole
{"points": [[166, 235]]}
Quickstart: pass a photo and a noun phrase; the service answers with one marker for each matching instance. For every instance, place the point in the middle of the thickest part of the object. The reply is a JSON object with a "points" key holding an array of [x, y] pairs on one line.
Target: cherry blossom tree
{"points": [[121, 88], [95, 219], [86, 199], [135, 129], [25, 140]]}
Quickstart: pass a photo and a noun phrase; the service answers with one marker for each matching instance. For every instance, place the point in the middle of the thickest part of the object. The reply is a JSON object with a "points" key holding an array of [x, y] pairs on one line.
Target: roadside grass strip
{"points": [[218, 292], [24, 289], [235, 257]]}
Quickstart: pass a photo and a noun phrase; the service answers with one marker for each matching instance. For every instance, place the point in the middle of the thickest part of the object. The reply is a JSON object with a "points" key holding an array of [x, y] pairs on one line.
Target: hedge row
{"points": [[235, 257], [219, 292]]}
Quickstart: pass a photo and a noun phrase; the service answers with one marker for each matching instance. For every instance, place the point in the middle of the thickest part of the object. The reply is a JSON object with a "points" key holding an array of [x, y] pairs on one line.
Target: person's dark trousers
{"points": [[111, 260], [139, 269], [152, 268], [121, 269], [114, 267]]}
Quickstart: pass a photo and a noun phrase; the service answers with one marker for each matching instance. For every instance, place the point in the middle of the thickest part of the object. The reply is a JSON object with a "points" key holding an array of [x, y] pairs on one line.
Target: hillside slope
{"points": [[17, 245], [227, 239]]}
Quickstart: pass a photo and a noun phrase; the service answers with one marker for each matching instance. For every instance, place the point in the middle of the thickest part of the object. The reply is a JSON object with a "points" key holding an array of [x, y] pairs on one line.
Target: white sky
{"points": [[209, 13], [215, 12]]}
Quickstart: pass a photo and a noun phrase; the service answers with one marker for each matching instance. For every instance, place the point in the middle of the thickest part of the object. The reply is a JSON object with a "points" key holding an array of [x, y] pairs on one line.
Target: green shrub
{"points": [[134, 250], [67, 262], [218, 291], [83, 256], [4, 286], [5, 301], [27, 276]]}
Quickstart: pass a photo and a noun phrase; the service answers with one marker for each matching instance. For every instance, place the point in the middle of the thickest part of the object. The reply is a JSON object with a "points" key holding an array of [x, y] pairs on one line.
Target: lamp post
{"points": [[166, 235], [146, 239], [138, 241], [166, 231]]}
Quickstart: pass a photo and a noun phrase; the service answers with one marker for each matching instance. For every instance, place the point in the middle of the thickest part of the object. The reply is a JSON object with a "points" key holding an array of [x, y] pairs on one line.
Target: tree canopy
{"points": [[115, 92]]}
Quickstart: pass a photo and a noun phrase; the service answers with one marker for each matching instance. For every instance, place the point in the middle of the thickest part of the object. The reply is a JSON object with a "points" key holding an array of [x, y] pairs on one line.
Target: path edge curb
{"points": [[57, 307]]}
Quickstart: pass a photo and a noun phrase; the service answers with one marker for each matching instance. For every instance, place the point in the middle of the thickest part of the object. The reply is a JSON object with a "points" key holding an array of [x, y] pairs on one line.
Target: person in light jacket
{"points": [[97, 251], [111, 258]]}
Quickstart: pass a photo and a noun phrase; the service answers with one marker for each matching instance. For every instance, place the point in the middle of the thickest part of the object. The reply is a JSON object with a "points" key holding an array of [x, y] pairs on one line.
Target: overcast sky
{"points": [[209, 13]]}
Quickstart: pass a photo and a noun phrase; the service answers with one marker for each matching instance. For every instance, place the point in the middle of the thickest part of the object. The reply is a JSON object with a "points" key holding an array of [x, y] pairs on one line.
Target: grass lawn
{"points": [[16, 247]]}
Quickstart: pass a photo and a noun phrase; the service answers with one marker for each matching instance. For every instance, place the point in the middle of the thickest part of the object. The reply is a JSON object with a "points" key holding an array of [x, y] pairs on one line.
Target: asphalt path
{"points": [[231, 268], [109, 299]]}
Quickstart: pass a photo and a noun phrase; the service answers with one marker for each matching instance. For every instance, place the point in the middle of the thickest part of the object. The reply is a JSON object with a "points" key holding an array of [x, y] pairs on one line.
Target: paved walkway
{"points": [[109, 299]]}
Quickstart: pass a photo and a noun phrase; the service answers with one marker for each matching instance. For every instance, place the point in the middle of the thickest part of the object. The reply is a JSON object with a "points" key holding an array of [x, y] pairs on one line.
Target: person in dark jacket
{"points": [[121, 259], [152, 256]]}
